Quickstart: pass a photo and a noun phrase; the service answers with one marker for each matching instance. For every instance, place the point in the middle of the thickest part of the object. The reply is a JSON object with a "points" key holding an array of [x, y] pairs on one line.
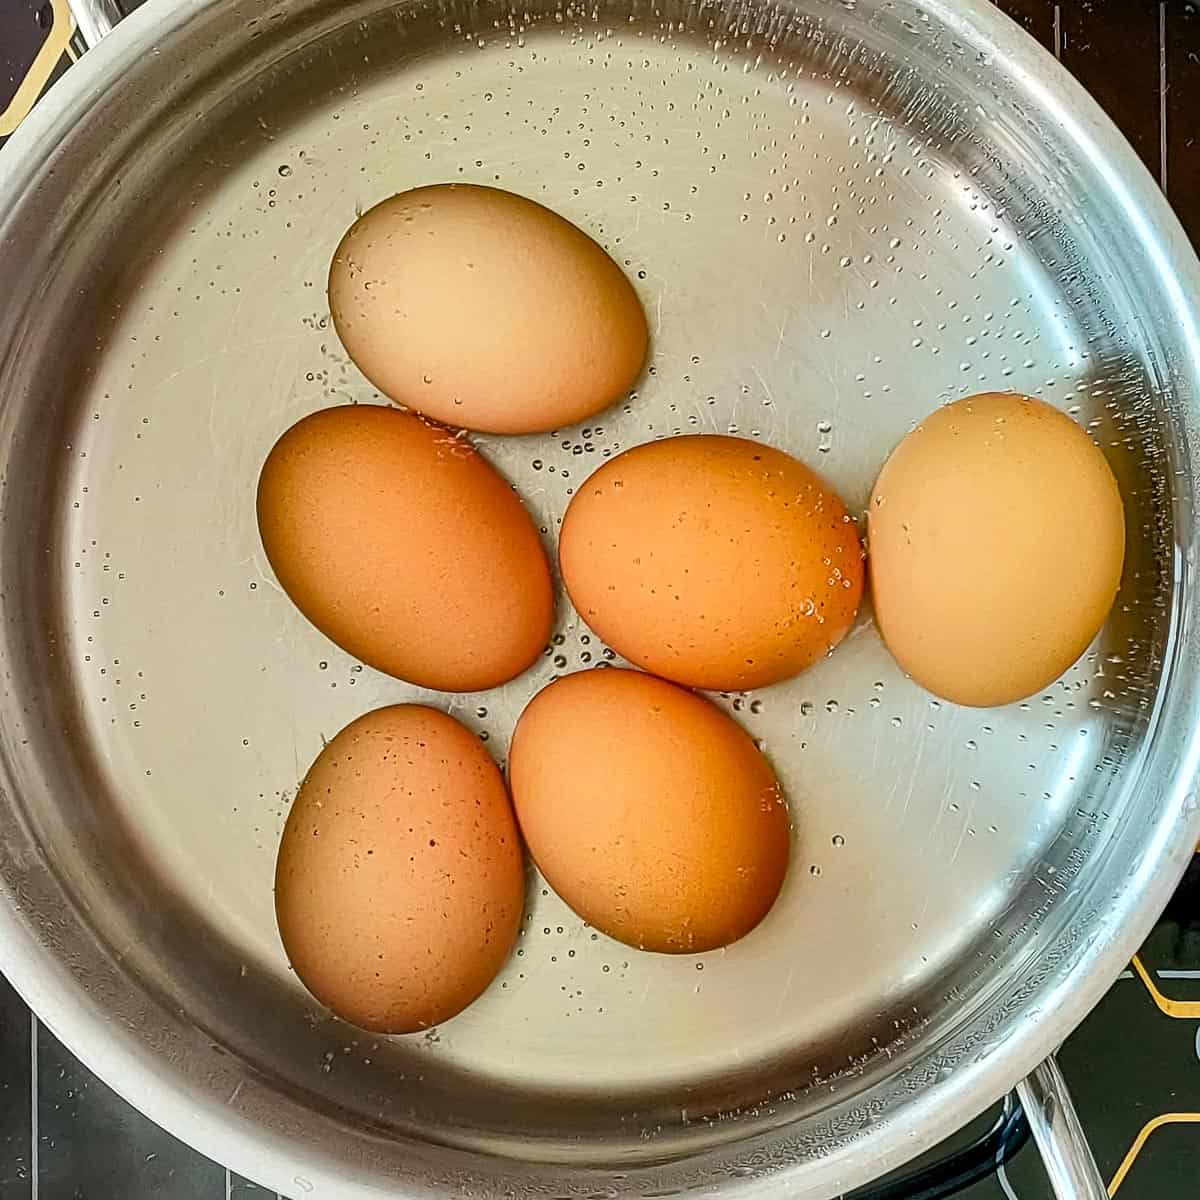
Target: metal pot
{"points": [[838, 214]]}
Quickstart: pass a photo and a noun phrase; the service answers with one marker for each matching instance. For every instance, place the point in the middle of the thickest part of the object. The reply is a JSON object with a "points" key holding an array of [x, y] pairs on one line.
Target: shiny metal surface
{"points": [[838, 215], [1055, 1126], [95, 19]]}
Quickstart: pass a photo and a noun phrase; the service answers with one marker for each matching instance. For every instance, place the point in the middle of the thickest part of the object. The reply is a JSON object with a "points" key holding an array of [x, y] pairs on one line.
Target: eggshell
{"points": [[997, 539], [714, 561], [648, 810], [399, 887], [485, 310], [399, 542]]}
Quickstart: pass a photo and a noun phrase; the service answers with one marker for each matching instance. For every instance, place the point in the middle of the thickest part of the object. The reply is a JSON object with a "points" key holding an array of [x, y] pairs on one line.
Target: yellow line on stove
{"points": [[31, 86], [1183, 1010], [1143, 1137]]}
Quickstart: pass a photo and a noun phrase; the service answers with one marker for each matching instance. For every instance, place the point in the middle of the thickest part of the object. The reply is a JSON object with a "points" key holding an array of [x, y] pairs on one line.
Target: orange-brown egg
{"points": [[485, 310], [648, 810], [997, 538], [400, 886], [714, 561], [399, 542]]}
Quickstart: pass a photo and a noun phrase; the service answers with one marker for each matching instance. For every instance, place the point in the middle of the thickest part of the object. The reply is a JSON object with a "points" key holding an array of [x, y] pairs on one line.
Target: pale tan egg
{"points": [[997, 538], [399, 542], [485, 310], [714, 561], [648, 810], [400, 884]]}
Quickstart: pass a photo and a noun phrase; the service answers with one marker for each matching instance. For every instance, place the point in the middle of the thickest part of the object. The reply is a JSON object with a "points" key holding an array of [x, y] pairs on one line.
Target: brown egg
{"points": [[399, 542], [648, 810], [485, 310], [400, 886], [717, 562], [997, 539]]}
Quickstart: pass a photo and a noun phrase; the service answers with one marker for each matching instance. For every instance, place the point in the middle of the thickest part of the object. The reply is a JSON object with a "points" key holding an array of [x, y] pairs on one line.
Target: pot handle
{"points": [[1041, 1105], [1066, 1154], [948, 1176], [95, 19]]}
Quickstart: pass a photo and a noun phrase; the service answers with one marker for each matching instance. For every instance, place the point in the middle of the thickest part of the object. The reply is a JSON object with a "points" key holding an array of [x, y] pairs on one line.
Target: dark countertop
{"points": [[1134, 1064]]}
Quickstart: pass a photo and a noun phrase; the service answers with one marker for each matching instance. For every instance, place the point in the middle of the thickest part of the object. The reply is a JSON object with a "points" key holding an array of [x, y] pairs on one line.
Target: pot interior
{"points": [[837, 217]]}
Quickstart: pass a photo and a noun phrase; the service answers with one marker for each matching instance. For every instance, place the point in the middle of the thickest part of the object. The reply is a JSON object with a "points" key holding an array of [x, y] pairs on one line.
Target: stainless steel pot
{"points": [[838, 214]]}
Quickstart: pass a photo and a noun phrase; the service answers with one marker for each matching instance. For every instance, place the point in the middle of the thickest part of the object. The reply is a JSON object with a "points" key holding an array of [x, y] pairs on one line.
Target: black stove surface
{"points": [[1134, 1064]]}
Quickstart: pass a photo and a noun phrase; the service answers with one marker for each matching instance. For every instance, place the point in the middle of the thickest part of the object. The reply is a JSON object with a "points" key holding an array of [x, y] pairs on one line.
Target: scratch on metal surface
{"points": [[922, 739], [763, 384], [785, 992], [239, 348], [962, 832]]}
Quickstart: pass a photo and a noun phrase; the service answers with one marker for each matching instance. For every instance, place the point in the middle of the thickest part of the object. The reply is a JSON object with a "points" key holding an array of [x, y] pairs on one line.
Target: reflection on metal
{"points": [[1006, 1185], [1142, 1138], [1070, 1166], [96, 19], [39, 70]]}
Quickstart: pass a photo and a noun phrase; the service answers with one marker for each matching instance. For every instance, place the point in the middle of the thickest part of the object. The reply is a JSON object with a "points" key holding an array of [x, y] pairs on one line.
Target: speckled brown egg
{"points": [[399, 887], [485, 310], [648, 810], [997, 539], [714, 561], [398, 541]]}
